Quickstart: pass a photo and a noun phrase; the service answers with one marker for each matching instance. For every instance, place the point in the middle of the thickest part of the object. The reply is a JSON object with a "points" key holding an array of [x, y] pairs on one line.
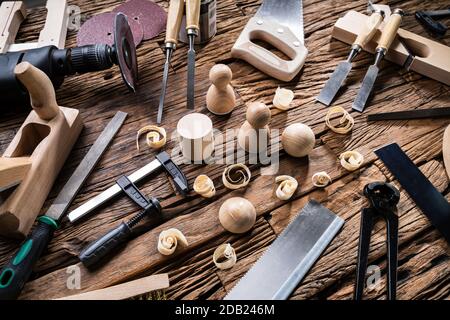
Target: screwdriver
{"points": [[192, 29], [173, 25]]}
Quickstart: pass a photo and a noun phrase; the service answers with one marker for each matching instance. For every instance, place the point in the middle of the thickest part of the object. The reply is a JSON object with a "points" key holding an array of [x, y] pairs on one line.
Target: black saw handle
{"points": [[16, 273], [100, 248]]}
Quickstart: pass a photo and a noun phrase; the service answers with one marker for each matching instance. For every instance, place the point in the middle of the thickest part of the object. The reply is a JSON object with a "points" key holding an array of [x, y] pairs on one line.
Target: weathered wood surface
{"points": [[424, 255]]}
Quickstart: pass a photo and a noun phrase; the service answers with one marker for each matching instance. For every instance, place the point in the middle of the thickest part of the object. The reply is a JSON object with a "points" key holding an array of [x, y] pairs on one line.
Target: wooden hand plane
{"points": [[36, 153]]}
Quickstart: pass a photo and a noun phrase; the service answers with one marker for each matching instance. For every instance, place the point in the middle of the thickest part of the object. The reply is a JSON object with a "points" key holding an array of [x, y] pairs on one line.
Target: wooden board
{"points": [[424, 255]]}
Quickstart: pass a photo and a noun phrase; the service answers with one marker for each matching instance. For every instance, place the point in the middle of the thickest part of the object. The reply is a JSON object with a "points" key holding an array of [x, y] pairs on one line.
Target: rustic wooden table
{"points": [[424, 268]]}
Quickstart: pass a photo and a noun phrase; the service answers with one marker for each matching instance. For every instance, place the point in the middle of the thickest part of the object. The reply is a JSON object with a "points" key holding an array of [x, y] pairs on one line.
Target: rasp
{"points": [[410, 114], [339, 75], [192, 29], [15, 274], [279, 22], [173, 26], [428, 199], [387, 37], [277, 273]]}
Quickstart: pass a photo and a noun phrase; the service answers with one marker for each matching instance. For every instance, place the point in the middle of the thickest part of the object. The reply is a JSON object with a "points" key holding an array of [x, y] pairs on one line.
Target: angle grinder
{"points": [[58, 63]]}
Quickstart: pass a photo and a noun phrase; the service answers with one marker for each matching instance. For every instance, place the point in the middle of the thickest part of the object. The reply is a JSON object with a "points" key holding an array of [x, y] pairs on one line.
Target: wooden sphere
{"points": [[258, 115], [237, 215], [298, 140], [251, 139], [220, 75]]}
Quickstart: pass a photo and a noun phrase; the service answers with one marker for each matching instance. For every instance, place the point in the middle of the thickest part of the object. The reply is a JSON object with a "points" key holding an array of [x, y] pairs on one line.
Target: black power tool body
{"points": [[58, 63]]}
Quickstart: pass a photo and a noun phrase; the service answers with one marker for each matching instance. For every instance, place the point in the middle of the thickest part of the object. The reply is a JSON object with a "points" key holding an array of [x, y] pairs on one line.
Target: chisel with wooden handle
{"points": [[339, 75], [387, 37], [173, 26], [192, 29]]}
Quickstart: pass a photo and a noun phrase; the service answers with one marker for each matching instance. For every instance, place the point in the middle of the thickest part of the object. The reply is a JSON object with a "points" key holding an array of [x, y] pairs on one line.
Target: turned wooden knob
{"points": [[258, 115], [40, 88], [220, 98]]}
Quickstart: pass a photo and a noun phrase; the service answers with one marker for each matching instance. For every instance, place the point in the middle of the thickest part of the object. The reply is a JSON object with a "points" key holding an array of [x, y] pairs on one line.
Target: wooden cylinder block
{"points": [[196, 137]]}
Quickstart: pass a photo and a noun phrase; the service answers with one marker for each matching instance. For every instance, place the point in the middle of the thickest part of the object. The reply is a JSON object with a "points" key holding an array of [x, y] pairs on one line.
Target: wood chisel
{"points": [[290, 257], [192, 29], [428, 199], [411, 114], [339, 75], [387, 37], [173, 25], [15, 274]]}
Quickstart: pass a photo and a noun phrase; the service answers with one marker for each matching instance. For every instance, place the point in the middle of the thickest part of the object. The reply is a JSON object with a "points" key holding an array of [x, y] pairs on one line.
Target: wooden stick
{"points": [[125, 290]]}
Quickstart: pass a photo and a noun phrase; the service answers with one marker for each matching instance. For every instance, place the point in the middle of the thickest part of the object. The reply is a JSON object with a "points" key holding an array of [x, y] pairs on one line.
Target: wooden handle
{"points": [[174, 18], [42, 93], [281, 38], [369, 29], [390, 30], [192, 14]]}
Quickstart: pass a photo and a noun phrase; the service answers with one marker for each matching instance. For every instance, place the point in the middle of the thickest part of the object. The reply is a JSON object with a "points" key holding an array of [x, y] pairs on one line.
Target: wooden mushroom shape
{"points": [[220, 98], [36, 154]]}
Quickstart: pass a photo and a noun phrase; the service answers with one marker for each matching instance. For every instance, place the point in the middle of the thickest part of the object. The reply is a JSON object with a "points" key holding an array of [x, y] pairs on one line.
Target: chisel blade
{"points": [[334, 83], [191, 78], [366, 89], [163, 88]]}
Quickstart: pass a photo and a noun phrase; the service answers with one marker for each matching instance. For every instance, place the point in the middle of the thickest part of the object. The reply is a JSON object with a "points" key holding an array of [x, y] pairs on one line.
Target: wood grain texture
{"points": [[191, 271]]}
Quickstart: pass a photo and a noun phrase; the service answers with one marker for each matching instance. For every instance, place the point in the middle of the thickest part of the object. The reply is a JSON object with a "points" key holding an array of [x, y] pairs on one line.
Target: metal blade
{"points": [[290, 257], [164, 86], [112, 191], [286, 12], [84, 169], [334, 83], [411, 114], [366, 89], [191, 75]]}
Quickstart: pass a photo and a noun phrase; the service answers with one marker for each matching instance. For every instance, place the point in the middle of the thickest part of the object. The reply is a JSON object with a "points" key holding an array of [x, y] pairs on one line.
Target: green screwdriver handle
{"points": [[16, 273]]}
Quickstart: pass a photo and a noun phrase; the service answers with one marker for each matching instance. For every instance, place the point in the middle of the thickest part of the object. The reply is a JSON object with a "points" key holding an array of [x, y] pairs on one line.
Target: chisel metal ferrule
{"points": [[192, 31]]}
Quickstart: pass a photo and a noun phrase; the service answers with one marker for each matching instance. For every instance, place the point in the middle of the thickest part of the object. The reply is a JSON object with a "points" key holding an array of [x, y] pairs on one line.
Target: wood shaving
{"points": [[283, 98], [224, 257], [346, 122], [321, 179], [287, 187], [351, 160], [204, 186], [156, 137], [168, 241], [236, 176]]}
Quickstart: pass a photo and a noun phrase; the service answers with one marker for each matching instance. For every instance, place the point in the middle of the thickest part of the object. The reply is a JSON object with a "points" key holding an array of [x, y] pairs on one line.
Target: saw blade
{"points": [[334, 83], [286, 12], [290, 257]]}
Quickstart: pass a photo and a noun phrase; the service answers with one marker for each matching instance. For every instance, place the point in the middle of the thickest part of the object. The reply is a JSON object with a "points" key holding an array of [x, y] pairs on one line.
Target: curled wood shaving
{"points": [[283, 98], [346, 122], [224, 257], [351, 160], [168, 241], [321, 179], [286, 188], [236, 176], [204, 186], [156, 136]]}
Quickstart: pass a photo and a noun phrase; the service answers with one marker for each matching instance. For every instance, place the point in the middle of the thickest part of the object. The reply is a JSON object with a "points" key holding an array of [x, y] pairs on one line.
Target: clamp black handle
{"points": [[181, 182]]}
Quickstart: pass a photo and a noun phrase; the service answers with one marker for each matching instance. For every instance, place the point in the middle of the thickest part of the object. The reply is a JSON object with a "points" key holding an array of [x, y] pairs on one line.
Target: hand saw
{"points": [[279, 23], [290, 257]]}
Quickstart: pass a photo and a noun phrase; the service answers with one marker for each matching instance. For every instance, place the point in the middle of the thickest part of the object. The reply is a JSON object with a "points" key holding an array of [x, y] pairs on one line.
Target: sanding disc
{"points": [[100, 30], [150, 15]]}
